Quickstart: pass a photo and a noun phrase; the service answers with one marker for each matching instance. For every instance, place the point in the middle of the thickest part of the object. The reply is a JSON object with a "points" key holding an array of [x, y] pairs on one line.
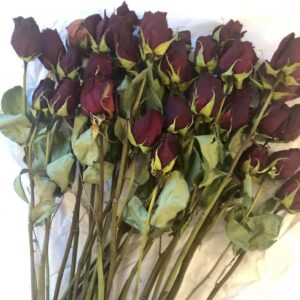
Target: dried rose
{"points": [[156, 35], [70, 63], [232, 30], [237, 109], [99, 64], [284, 164], [146, 131], [42, 94], [97, 97], [66, 98], [53, 48], [206, 96], [205, 54], [26, 38], [165, 154], [289, 193], [177, 114]]}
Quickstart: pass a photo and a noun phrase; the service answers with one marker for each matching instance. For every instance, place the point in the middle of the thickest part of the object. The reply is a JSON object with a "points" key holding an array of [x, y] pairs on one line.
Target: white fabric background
{"points": [[273, 274]]}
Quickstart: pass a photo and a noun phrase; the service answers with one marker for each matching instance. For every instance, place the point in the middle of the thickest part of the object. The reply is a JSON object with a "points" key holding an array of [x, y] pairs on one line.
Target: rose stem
{"points": [[226, 180], [125, 289], [113, 243], [226, 276], [209, 273], [24, 87], [69, 241], [144, 237], [175, 288]]}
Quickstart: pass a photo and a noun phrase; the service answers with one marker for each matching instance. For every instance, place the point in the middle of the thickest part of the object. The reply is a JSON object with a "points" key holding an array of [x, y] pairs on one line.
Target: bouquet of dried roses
{"points": [[160, 136]]}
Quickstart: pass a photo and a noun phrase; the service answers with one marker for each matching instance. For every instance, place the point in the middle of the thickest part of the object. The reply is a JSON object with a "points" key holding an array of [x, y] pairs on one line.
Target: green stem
{"points": [[207, 276], [171, 279], [144, 238], [100, 275], [90, 291], [24, 87], [114, 228], [139, 97], [126, 287], [73, 227], [219, 284]]}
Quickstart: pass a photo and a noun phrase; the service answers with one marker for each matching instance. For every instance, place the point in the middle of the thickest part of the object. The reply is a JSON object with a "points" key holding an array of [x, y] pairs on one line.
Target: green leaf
{"points": [[80, 122], [13, 101], [18, 186], [247, 189], [42, 211], [135, 214], [121, 129], [45, 188], [16, 127], [173, 198], [92, 173], [61, 145], [237, 141], [211, 176], [59, 170], [264, 230], [238, 235], [86, 148], [267, 207], [211, 149], [194, 169], [139, 169]]}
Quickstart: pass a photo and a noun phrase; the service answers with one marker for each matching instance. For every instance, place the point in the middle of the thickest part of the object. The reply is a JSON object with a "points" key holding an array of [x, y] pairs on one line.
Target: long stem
{"points": [[74, 225], [113, 243], [194, 290], [100, 275], [24, 87], [42, 267], [219, 284], [144, 239], [172, 277]]}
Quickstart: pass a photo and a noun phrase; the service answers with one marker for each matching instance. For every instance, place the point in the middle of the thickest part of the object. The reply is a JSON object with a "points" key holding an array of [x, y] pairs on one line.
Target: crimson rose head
{"points": [[66, 98], [53, 48], [165, 154], [205, 54], [99, 64], [289, 193], [206, 95], [177, 114], [69, 63], [155, 33], [97, 97], [42, 94], [284, 164], [26, 38], [146, 131], [232, 30], [237, 109]]}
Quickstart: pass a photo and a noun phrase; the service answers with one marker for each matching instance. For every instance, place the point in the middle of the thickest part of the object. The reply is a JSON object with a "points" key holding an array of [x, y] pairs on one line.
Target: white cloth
{"points": [[272, 274]]}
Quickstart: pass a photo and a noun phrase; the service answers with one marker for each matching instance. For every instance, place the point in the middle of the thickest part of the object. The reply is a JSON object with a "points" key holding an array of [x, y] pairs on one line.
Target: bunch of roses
{"points": [[160, 135]]}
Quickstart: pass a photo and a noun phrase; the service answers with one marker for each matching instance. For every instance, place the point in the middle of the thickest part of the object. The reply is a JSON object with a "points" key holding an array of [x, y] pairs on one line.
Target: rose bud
{"points": [[289, 193], [206, 96], [90, 24], [78, 36], [286, 56], [146, 131], [126, 47], [175, 66], [290, 129], [97, 97], [69, 63], [284, 164], [276, 115], [185, 36], [26, 38], [66, 98], [232, 30], [238, 61], [99, 64], [155, 33], [53, 48], [177, 115], [42, 94], [205, 54], [165, 154], [237, 109], [255, 159], [129, 16]]}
